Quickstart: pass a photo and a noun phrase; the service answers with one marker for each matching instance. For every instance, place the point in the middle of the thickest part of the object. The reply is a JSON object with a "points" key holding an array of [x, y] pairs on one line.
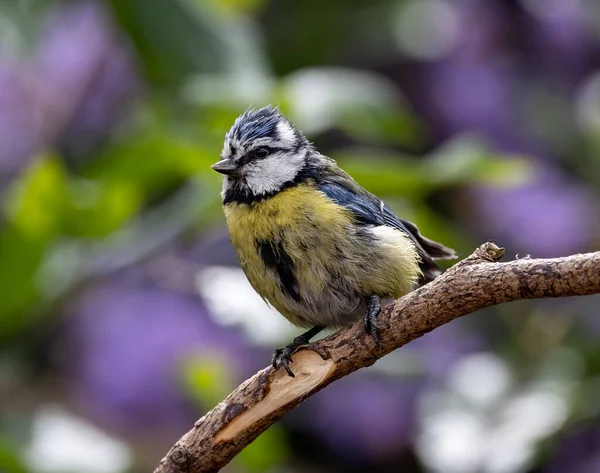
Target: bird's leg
{"points": [[373, 309], [283, 356]]}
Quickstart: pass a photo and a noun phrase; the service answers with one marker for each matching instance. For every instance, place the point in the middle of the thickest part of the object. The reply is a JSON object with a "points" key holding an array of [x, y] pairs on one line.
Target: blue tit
{"points": [[312, 242]]}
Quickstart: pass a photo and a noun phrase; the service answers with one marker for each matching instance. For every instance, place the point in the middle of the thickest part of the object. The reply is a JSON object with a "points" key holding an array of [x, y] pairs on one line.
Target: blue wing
{"points": [[369, 210]]}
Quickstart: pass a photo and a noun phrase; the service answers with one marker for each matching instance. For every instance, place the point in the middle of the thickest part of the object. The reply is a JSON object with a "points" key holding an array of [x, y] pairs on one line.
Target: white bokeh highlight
{"points": [[231, 300], [483, 421], [64, 443], [427, 29], [319, 96]]}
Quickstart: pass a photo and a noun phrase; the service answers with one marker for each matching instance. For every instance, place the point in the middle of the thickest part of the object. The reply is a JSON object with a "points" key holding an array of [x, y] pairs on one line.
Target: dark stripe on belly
{"points": [[277, 259]]}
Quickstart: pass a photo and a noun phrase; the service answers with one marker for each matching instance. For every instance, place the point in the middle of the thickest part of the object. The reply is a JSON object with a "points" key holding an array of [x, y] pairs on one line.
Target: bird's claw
{"points": [[370, 319], [283, 356], [372, 329]]}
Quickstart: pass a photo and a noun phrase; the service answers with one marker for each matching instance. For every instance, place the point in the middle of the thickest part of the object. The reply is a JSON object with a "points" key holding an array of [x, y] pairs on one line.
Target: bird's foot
{"points": [[370, 320], [283, 356]]}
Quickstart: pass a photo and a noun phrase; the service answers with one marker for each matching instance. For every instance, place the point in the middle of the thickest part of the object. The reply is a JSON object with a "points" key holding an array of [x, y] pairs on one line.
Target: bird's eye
{"points": [[261, 153]]}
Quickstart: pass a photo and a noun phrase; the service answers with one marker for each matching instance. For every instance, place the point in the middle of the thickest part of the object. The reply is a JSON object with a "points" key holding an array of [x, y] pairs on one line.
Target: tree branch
{"points": [[474, 283]]}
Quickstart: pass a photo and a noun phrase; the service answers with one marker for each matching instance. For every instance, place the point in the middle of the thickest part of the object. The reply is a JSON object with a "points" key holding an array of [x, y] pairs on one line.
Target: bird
{"points": [[312, 242]]}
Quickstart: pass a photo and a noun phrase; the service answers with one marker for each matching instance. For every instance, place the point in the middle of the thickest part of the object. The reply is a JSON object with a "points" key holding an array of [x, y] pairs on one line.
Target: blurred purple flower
{"points": [[476, 88], [489, 25], [89, 70], [363, 418], [564, 43], [438, 351], [126, 341], [485, 87], [551, 216], [213, 249], [472, 97], [72, 93], [24, 117], [578, 453]]}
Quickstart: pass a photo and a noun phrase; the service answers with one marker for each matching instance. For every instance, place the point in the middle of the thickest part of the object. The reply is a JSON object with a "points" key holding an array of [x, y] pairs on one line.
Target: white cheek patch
{"points": [[269, 174], [286, 134]]}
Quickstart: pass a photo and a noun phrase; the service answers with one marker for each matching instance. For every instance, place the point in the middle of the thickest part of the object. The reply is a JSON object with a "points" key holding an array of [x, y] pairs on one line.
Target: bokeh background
{"points": [[123, 313]]}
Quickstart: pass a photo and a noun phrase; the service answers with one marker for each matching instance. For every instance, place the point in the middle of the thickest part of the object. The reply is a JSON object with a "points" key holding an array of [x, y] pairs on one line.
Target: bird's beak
{"points": [[226, 166]]}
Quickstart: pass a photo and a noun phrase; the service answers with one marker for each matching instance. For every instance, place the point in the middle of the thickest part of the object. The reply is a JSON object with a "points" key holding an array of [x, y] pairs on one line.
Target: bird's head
{"points": [[263, 153]]}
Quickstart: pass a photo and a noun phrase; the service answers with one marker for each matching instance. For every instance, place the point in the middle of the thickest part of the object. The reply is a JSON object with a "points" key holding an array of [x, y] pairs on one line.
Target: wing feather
{"points": [[369, 210]]}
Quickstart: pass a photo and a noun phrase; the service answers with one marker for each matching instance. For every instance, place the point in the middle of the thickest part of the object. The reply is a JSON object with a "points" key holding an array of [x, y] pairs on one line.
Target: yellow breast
{"points": [[300, 207], [310, 226], [325, 262]]}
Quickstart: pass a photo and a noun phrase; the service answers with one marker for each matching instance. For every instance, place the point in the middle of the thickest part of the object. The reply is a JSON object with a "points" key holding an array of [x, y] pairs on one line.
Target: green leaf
{"points": [[229, 7], [467, 159], [117, 202], [154, 161], [172, 38], [385, 173], [463, 160], [9, 460], [269, 450], [379, 126], [208, 378], [20, 256], [39, 199]]}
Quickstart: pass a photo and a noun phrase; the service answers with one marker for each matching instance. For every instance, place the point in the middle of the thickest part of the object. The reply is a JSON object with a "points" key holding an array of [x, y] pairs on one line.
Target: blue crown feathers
{"points": [[262, 123], [254, 124]]}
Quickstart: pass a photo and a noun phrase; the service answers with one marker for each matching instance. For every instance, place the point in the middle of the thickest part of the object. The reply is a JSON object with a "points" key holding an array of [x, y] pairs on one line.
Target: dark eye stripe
{"points": [[249, 156], [270, 149]]}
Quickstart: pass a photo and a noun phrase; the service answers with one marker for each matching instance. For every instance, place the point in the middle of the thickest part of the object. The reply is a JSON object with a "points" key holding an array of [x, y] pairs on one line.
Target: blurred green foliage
{"points": [[9, 460]]}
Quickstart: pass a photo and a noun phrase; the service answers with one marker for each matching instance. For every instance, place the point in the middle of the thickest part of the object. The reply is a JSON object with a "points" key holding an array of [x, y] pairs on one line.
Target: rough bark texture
{"points": [[476, 282]]}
